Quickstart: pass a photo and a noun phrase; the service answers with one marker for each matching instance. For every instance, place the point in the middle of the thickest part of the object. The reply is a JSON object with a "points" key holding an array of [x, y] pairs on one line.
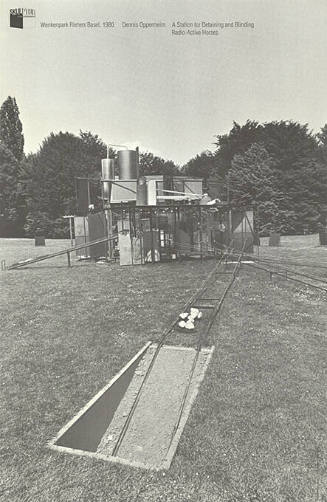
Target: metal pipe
{"points": [[58, 253]]}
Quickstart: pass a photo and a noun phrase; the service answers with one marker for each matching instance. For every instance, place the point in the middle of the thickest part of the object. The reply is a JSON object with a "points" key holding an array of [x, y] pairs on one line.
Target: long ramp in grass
{"points": [[67, 251]]}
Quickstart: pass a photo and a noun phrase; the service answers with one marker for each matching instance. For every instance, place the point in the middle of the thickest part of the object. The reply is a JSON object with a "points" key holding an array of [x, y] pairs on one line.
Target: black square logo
{"points": [[16, 20]]}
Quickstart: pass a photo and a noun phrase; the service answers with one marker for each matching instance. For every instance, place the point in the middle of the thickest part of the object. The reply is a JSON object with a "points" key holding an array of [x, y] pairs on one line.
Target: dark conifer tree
{"points": [[11, 129]]}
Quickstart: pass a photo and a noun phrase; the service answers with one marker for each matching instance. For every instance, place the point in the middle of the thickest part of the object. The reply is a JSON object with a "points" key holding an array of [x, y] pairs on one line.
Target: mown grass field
{"points": [[257, 431]]}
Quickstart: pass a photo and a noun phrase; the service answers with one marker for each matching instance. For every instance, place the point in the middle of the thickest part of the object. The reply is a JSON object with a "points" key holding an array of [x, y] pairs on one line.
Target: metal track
{"points": [[197, 295], [212, 318]]}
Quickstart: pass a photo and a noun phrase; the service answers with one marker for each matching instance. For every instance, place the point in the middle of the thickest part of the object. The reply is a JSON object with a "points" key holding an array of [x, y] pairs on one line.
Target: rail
{"points": [[202, 335], [286, 273], [30, 261], [168, 330]]}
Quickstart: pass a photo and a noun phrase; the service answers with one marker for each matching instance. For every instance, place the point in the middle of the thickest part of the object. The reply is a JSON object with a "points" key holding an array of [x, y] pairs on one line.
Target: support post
{"points": [[70, 218], [152, 240], [71, 232], [109, 232], [68, 258], [229, 210], [200, 231]]}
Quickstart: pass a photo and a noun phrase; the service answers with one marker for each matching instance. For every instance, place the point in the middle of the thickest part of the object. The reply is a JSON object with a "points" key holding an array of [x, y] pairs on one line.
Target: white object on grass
{"points": [[184, 315], [189, 325]]}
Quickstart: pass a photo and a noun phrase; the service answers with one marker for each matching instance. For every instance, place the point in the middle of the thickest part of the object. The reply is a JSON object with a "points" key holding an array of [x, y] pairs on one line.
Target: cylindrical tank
{"points": [[108, 173], [141, 192], [128, 164]]}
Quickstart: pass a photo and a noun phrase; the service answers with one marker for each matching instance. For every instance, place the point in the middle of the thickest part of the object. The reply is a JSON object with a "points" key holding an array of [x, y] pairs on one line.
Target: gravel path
{"points": [[150, 431]]}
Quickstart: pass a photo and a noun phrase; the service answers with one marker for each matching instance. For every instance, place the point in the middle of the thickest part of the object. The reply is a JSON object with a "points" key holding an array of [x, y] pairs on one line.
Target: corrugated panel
{"points": [[97, 230]]}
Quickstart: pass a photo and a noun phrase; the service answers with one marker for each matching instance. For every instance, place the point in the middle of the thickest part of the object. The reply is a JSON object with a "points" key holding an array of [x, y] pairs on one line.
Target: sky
{"points": [[169, 94]]}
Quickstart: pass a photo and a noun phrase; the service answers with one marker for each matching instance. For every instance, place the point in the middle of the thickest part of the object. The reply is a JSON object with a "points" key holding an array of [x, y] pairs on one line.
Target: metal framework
{"points": [[176, 230]]}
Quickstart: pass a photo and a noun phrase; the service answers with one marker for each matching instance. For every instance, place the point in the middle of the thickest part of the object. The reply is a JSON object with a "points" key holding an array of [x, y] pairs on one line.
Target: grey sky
{"points": [[169, 94]]}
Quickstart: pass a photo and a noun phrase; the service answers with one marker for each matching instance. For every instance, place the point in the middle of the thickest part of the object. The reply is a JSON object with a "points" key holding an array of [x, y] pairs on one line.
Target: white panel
{"points": [[81, 226], [123, 191], [193, 186], [125, 248], [152, 193]]}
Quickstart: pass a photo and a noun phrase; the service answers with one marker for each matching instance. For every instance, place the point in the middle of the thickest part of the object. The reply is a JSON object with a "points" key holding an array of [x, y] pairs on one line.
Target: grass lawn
{"points": [[257, 431]]}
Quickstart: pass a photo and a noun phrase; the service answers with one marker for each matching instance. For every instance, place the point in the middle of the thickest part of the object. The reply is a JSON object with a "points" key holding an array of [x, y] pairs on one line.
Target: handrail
{"points": [[58, 253]]}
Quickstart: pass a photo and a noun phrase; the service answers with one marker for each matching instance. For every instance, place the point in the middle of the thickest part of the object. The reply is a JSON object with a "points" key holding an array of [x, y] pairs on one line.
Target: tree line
{"points": [[279, 167]]}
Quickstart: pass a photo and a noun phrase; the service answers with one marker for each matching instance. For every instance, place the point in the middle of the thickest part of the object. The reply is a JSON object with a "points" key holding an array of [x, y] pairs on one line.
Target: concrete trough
{"points": [[154, 430]]}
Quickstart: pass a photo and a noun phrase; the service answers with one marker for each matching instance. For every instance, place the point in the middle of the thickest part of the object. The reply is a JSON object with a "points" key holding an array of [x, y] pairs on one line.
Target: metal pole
{"points": [[111, 243], [70, 218], [130, 234], [85, 237], [88, 194], [71, 232], [200, 232], [229, 209], [152, 241], [108, 213]]}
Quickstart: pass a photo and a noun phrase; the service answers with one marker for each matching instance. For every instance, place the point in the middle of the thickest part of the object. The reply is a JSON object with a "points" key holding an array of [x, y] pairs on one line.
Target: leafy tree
{"points": [[300, 173], [94, 149], [200, 166], [11, 128], [49, 175], [151, 164], [288, 142], [10, 214], [237, 141], [252, 181], [297, 163], [322, 136], [321, 154], [307, 193], [11, 153], [289, 207]]}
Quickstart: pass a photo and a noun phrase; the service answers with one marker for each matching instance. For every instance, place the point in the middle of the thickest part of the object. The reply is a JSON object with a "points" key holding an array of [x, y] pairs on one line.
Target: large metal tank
{"points": [[108, 173], [128, 164]]}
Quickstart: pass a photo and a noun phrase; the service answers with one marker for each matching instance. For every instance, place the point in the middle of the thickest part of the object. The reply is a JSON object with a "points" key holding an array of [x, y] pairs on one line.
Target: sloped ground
{"points": [[257, 431]]}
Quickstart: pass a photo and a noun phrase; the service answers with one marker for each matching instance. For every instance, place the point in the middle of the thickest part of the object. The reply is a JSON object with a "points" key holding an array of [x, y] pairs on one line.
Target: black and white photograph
{"points": [[163, 251]]}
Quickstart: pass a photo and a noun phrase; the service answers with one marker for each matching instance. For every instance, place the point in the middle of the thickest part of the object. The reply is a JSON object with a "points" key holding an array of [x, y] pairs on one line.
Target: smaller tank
{"points": [[108, 173], [108, 169]]}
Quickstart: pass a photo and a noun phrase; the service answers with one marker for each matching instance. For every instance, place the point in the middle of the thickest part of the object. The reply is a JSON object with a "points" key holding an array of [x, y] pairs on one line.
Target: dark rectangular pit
{"points": [[152, 436]]}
